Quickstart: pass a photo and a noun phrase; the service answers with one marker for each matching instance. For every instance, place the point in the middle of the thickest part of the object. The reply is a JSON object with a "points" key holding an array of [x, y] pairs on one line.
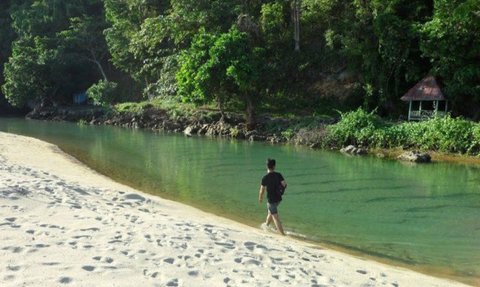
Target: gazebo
{"points": [[426, 100]]}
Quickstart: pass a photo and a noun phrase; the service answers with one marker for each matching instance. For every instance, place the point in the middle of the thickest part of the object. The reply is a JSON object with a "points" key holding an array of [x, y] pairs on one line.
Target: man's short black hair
{"points": [[271, 163]]}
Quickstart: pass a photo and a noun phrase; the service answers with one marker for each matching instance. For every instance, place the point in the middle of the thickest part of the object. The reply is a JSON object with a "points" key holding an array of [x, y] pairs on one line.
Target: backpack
{"points": [[281, 188]]}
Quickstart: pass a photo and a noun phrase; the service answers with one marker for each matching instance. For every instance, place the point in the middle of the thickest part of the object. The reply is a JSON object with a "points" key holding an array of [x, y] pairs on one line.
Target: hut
{"points": [[426, 100]]}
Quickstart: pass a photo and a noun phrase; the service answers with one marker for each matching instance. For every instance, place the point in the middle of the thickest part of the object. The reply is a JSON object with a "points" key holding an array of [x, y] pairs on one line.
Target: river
{"points": [[425, 217]]}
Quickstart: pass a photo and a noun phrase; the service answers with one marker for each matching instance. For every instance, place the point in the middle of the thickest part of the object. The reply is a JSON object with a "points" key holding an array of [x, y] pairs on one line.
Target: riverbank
{"points": [[63, 223], [445, 139]]}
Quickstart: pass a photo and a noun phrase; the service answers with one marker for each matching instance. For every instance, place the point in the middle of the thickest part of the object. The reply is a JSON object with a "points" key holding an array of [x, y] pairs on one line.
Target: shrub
{"points": [[288, 133], [357, 127], [445, 134], [103, 92], [474, 147], [82, 122], [132, 107]]}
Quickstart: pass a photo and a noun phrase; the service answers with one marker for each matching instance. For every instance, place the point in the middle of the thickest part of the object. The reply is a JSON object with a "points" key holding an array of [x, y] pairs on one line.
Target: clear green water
{"points": [[423, 216]]}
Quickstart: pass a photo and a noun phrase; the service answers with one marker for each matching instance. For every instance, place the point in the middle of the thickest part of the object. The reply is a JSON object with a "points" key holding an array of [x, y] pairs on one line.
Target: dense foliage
{"points": [[242, 54], [445, 134], [6, 38], [58, 50], [103, 92]]}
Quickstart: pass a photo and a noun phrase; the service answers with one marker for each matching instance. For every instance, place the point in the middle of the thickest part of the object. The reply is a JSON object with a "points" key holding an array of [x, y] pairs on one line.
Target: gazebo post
{"points": [[420, 111], [409, 109]]}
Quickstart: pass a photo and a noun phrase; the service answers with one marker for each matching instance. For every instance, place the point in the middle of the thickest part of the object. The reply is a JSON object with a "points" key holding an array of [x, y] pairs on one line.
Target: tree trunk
{"points": [[220, 107], [250, 114], [296, 24], [101, 71], [99, 65]]}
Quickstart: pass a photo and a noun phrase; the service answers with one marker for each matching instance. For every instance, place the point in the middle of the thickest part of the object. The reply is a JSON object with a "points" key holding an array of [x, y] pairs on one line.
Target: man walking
{"points": [[274, 183]]}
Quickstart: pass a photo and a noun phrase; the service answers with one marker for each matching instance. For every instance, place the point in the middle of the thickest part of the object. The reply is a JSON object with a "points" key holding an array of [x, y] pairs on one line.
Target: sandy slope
{"points": [[63, 224]]}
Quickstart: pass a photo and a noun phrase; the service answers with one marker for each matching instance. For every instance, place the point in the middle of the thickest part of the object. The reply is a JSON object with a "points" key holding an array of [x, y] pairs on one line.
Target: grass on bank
{"points": [[359, 127], [174, 108], [444, 134]]}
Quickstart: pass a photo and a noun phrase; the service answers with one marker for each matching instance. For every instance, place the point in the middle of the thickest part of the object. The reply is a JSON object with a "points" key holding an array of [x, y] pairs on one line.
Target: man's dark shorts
{"points": [[272, 207]]}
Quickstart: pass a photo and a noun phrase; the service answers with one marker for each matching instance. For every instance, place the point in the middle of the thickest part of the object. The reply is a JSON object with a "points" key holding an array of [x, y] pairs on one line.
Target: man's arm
{"points": [[260, 193], [282, 181]]}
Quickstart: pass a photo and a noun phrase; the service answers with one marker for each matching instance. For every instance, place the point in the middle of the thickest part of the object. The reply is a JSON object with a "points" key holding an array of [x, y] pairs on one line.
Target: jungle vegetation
{"points": [[251, 56]]}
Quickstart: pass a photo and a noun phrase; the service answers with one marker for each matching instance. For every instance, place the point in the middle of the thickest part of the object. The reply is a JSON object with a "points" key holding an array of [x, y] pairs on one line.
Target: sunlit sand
{"points": [[62, 223]]}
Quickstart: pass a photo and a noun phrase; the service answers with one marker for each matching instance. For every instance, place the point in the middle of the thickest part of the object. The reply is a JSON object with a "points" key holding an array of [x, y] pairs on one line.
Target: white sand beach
{"points": [[63, 224]]}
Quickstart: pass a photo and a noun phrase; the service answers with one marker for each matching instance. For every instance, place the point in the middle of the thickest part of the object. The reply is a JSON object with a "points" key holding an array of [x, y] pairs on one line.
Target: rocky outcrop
{"points": [[200, 122], [415, 156], [353, 150], [70, 114]]}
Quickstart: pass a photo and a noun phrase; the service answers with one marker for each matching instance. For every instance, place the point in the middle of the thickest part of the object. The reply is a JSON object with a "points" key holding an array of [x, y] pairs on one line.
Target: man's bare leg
{"points": [[278, 224], [269, 219]]}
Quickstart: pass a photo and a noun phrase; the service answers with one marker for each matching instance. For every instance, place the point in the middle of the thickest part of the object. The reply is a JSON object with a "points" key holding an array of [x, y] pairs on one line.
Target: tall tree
{"points": [[139, 41], [42, 67], [6, 38], [84, 37], [451, 40], [226, 68], [381, 42]]}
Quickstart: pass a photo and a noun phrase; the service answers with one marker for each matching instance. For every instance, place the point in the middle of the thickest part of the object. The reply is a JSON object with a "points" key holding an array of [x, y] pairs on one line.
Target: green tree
{"points": [[140, 42], [6, 38], [189, 16], [380, 41], [126, 18], [451, 40], [42, 66], [84, 37], [153, 46], [226, 68]]}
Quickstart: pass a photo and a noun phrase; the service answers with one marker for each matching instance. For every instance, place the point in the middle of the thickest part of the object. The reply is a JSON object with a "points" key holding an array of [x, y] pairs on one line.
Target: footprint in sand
{"points": [[50, 263], [251, 262], [13, 268], [250, 245], [14, 249], [228, 245], [65, 280], [81, 236], [169, 260], [41, 245], [88, 268], [11, 219], [134, 197], [173, 283], [91, 229]]}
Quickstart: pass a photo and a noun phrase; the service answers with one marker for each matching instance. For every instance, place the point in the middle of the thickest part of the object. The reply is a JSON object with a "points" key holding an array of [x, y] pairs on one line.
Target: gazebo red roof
{"points": [[425, 90]]}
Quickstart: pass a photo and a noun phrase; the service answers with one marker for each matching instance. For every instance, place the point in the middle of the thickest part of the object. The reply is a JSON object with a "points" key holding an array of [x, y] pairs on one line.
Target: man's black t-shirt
{"points": [[272, 181]]}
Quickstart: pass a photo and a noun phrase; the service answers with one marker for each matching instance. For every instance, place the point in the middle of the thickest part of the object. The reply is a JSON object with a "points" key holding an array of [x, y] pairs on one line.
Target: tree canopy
{"points": [[242, 54]]}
